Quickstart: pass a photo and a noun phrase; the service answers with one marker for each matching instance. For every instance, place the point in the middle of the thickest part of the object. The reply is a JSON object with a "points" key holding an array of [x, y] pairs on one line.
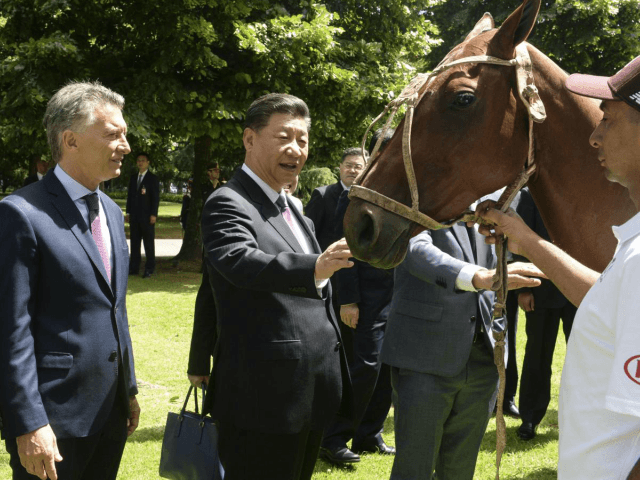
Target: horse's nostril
{"points": [[367, 234]]}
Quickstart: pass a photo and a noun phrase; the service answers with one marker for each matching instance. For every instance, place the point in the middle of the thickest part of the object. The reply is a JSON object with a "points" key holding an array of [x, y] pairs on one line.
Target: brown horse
{"points": [[470, 138]]}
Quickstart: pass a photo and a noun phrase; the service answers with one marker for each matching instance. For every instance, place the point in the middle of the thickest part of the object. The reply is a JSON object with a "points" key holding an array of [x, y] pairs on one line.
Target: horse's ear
{"points": [[517, 27], [484, 24]]}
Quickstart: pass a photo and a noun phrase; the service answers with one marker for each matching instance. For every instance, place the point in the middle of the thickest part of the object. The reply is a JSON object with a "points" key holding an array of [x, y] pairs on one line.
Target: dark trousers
{"points": [[96, 457], [142, 231], [535, 383], [440, 421], [511, 384], [251, 455], [371, 389]]}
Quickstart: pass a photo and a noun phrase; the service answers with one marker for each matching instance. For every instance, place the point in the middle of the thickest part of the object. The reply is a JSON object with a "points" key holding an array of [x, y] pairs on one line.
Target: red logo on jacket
{"points": [[632, 369]]}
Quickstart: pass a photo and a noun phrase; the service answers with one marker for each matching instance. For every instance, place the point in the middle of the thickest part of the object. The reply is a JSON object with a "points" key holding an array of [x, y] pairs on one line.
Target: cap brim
{"points": [[590, 86]]}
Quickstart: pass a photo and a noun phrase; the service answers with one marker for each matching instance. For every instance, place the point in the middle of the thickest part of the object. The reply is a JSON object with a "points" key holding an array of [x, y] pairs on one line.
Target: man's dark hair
{"points": [[349, 152], [213, 165], [144, 154], [260, 110], [385, 140]]}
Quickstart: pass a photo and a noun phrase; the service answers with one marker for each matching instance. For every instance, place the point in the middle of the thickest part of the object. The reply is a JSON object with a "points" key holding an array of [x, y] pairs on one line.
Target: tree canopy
{"points": [[189, 69]]}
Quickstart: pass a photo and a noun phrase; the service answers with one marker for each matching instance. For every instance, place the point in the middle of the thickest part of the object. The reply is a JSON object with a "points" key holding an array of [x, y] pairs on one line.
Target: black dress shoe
{"points": [[339, 456], [380, 447], [147, 274], [510, 410], [527, 431]]}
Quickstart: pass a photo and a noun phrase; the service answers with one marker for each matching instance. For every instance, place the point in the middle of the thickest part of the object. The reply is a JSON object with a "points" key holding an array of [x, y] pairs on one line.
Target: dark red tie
{"points": [[96, 230]]}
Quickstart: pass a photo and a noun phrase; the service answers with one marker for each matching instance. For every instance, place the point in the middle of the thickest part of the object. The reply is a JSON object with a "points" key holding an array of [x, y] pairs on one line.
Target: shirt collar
{"points": [[75, 190], [143, 173], [344, 186], [268, 191], [627, 230]]}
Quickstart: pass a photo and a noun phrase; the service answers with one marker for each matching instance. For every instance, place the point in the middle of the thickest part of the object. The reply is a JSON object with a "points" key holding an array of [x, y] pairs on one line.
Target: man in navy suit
{"points": [[143, 199], [280, 372], [67, 382], [439, 345]]}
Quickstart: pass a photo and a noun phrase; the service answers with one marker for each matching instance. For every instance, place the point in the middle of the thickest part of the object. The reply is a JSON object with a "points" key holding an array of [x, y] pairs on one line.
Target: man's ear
{"points": [[248, 137], [69, 140]]}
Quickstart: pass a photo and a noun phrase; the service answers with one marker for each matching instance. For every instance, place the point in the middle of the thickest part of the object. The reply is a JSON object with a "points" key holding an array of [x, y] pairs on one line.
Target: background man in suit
{"points": [[321, 208], [364, 294], [42, 166], [544, 307], [440, 349], [67, 383], [143, 199], [280, 372]]}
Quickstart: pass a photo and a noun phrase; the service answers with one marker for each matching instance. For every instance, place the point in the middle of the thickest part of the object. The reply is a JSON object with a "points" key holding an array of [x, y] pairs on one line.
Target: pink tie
{"points": [[286, 213], [96, 230]]}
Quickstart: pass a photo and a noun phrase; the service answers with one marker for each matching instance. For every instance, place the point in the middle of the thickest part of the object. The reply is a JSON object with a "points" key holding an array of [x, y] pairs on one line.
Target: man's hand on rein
{"points": [[508, 224]]}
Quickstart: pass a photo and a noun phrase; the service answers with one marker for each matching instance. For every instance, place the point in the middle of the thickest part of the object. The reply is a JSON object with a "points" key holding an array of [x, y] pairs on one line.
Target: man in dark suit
{"points": [[67, 383], [280, 372], [321, 208], [440, 350], [143, 199], [42, 166], [544, 307], [364, 295]]}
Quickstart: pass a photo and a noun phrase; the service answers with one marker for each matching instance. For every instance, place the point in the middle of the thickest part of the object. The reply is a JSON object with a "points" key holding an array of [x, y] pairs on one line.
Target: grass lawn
{"points": [[168, 223], [160, 317]]}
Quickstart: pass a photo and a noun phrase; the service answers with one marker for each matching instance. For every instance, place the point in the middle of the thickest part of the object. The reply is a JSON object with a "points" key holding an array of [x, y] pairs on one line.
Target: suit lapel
{"points": [[269, 211], [78, 226], [460, 232]]}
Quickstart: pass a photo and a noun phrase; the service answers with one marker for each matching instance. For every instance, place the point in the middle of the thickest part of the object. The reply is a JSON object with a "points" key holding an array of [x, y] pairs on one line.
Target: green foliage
{"points": [[587, 36], [311, 178]]}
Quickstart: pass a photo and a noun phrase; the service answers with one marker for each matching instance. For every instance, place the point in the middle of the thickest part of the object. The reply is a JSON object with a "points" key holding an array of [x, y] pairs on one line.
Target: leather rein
{"points": [[411, 96]]}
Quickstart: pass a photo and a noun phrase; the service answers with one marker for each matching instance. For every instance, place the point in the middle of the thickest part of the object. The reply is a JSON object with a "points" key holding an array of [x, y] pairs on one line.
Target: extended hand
{"points": [[520, 275], [38, 452], [349, 314], [508, 224], [134, 419], [335, 257], [196, 380], [526, 302]]}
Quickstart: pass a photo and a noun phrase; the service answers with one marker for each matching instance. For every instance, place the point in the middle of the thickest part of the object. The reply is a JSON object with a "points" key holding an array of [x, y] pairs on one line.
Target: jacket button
{"points": [[338, 345], [112, 356], [472, 319]]}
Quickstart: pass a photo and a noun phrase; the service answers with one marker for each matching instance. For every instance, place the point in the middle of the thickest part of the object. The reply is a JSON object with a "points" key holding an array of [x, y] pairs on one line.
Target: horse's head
{"points": [[469, 139]]}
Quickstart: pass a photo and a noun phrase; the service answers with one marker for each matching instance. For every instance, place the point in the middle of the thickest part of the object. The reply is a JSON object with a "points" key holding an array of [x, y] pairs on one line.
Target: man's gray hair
{"points": [[73, 108]]}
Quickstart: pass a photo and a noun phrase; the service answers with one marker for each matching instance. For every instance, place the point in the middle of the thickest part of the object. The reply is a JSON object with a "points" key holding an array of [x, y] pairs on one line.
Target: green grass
{"points": [[168, 223]]}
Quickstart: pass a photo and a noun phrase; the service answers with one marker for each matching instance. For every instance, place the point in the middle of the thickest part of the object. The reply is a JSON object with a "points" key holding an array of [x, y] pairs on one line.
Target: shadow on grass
{"points": [[539, 474], [514, 443], [323, 466], [147, 434], [167, 278]]}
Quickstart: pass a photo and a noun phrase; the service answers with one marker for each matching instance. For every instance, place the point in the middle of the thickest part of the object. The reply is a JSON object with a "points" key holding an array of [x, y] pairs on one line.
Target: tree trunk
{"points": [[192, 242]]}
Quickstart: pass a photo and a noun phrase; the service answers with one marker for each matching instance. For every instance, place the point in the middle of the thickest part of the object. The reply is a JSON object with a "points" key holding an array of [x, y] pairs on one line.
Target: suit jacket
{"points": [[141, 206], [64, 333], [371, 288], [547, 294], [321, 209], [279, 365], [432, 324]]}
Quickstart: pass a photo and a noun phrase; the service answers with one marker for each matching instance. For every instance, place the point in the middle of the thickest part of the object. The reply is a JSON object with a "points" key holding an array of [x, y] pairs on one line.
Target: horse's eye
{"points": [[464, 99]]}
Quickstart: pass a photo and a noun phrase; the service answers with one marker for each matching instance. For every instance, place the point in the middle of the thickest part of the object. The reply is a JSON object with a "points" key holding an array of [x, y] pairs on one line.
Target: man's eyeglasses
{"points": [[355, 166]]}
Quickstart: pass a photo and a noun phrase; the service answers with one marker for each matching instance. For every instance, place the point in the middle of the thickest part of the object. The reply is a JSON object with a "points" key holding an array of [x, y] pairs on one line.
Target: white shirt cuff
{"points": [[320, 285], [464, 280]]}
